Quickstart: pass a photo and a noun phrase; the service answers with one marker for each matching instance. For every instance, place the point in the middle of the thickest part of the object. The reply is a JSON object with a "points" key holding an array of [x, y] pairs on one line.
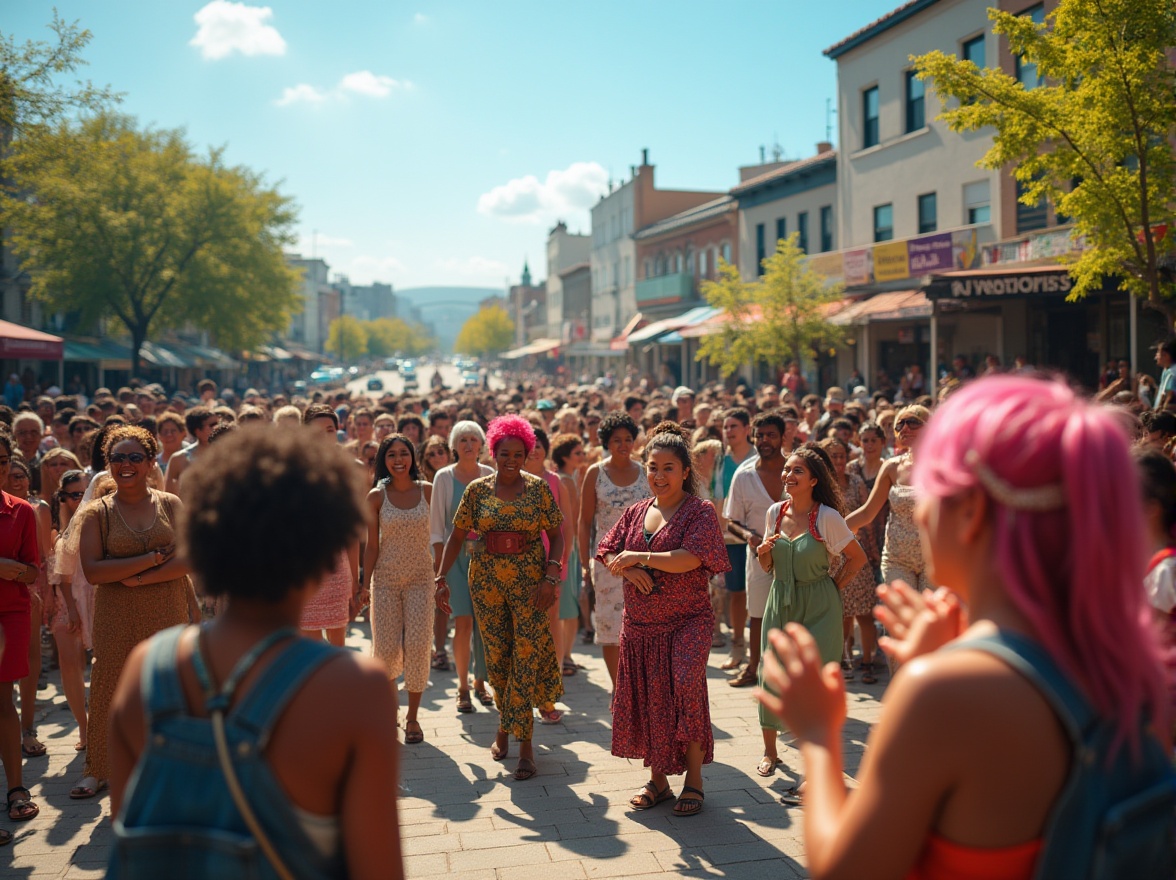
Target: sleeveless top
{"points": [[942, 859], [611, 499], [902, 535], [178, 819], [405, 560], [799, 562]]}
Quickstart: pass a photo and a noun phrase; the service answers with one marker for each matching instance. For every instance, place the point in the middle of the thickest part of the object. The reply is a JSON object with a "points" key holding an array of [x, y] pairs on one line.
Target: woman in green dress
{"points": [[513, 582], [805, 531]]}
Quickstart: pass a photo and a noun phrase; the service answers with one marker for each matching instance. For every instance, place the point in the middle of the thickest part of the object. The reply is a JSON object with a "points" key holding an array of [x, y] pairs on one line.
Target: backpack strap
{"points": [[1031, 660], [261, 707], [163, 694]]}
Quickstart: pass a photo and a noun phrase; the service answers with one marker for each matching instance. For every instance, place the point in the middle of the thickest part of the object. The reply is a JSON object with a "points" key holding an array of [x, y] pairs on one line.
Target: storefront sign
{"points": [[828, 265], [1011, 285], [965, 252], [890, 261], [931, 253], [859, 266]]}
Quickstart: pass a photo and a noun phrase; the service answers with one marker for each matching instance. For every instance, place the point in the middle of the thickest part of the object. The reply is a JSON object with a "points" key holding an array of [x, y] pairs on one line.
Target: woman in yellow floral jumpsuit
{"points": [[511, 591]]}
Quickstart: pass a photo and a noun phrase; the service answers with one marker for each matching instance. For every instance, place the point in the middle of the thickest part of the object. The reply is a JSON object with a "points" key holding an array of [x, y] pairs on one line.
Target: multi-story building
{"points": [[564, 250], [528, 308], [307, 327], [365, 302]]}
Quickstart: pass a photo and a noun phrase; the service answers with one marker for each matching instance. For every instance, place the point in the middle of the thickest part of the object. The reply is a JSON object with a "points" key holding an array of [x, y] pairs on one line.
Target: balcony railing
{"points": [[665, 289]]}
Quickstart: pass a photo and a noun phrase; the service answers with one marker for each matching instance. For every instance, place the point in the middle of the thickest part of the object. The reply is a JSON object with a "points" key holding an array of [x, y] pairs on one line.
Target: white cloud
{"points": [[224, 27], [363, 83], [303, 93], [563, 193], [365, 269], [420, 18], [474, 267], [313, 243]]}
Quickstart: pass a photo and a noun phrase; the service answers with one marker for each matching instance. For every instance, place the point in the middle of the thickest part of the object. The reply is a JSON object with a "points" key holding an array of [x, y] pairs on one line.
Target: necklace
{"points": [[143, 535]]}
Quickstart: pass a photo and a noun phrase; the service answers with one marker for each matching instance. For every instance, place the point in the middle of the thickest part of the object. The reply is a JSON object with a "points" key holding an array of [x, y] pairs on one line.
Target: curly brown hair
{"points": [[130, 432], [246, 484], [827, 491]]}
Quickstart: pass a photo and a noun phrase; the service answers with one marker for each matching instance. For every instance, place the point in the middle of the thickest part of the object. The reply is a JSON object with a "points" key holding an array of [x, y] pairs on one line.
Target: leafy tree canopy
{"points": [[488, 332]]}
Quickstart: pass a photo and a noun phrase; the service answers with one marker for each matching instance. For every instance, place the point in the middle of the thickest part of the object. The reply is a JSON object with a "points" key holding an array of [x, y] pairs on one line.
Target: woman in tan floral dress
{"points": [[511, 583], [128, 546]]}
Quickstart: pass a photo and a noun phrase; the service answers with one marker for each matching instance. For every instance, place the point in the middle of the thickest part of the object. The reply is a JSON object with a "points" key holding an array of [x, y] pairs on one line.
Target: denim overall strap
{"points": [[163, 695], [260, 708], [220, 699]]}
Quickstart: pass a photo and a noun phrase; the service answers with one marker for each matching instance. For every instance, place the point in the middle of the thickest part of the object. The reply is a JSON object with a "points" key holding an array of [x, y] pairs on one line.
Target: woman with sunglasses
{"points": [[128, 551], [398, 567], [66, 624], [902, 553], [19, 479], [434, 456], [54, 463]]}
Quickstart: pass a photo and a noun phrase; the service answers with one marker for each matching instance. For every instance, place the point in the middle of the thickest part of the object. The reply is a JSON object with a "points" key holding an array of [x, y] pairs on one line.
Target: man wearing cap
{"points": [[834, 409], [546, 410], [683, 399]]}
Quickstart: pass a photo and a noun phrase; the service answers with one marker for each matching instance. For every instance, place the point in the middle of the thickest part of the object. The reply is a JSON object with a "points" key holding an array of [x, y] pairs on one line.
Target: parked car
{"points": [[470, 379], [375, 384]]}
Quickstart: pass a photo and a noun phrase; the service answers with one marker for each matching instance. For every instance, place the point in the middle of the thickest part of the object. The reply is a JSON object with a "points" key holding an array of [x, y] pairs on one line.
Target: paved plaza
{"points": [[462, 815]]}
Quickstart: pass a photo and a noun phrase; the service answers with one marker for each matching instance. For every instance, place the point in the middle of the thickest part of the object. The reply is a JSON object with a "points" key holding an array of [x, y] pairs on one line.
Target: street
{"points": [[394, 381], [462, 815]]}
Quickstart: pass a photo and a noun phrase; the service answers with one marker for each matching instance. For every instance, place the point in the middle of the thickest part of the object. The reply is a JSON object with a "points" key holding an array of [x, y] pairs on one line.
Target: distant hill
{"points": [[446, 308]]}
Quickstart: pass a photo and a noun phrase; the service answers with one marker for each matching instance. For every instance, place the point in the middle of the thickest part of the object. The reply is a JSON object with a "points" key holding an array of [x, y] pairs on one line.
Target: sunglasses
{"points": [[18, 475], [122, 457], [907, 423], [76, 496], [435, 452]]}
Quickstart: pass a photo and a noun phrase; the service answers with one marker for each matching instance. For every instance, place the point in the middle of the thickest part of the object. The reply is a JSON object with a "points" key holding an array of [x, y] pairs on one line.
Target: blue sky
{"points": [[436, 142]]}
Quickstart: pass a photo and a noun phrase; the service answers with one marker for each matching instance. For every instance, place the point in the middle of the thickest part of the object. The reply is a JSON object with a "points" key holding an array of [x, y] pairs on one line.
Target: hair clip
{"points": [[1039, 498]]}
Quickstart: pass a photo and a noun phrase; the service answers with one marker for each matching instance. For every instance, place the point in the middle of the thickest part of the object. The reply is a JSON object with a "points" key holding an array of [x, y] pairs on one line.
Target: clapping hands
{"points": [[918, 623]]}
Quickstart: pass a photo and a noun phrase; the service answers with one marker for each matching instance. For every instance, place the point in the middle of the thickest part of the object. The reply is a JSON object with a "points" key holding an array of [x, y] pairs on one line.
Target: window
{"points": [[1026, 72], [915, 116], [826, 228], [781, 229], [870, 117], [802, 231], [690, 261], [726, 252], [928, 213], [704, 263], [973, 50], [759, 249], [1030, 217], [976, 203], [883, 222]]}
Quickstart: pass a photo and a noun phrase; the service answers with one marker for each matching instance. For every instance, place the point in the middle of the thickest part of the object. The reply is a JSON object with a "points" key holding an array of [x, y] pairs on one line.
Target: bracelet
{"points": [[551, 580], [557, 563], [440, 579]]}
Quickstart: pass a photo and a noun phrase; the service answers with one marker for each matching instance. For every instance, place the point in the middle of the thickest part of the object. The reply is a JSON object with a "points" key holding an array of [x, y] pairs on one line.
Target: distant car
{"points": [[407, 368], [375, 385], [470, 379]]}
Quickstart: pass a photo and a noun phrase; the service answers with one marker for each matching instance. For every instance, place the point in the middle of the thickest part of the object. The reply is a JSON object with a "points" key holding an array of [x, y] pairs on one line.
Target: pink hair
{"points": [[1076, 572], [505, 427]]}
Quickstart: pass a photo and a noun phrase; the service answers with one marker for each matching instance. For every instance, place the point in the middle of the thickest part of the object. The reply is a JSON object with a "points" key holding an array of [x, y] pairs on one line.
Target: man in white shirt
{"points": [[753, 490]]}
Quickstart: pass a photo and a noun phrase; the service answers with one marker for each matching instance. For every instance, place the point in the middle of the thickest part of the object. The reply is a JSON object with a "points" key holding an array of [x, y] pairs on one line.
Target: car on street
{"points": [[375, 384], [470, 379]]}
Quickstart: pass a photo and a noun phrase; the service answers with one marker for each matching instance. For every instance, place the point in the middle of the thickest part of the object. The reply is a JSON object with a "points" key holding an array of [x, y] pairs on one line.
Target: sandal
{"points": [[500, 755], [846, 669], [767, 766], [412, 737], [738, 652], [36, 750], [868, 676], [21, 809], [744, 679], [464, 706], [718, 641], [792, 797], [689, 806], [650, 797], [87, 788], [569, 667], [588, 637], [525, 770], [440, 661], [484, 698], [550, 716]]}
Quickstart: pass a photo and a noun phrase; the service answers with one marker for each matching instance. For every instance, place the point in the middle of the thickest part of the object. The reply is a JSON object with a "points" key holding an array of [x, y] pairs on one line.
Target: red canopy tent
{"points": [[25, 343]]}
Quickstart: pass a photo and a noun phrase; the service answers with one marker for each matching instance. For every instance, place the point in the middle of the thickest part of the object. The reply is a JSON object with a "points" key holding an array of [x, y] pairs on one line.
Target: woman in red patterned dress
{"points": [[666, 548]]}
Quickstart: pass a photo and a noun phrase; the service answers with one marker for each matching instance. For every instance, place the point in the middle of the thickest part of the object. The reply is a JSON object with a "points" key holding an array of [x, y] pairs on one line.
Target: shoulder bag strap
{"points": [[780, 515]]}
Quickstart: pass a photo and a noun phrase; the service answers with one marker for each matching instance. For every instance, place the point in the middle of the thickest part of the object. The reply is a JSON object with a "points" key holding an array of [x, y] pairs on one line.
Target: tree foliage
{"points": [[775, 319], [488, 332], [114, 222], [390, 336], [31, 92], [1093, 138], [347, 338]]}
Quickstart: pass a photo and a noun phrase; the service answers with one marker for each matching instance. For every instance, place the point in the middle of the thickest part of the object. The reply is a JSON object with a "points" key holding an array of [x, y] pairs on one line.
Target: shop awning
{"points": [[20, 342], [95, 350], [679, 335], [894, 305], [275, 353], [591, 349], [999, 282], [539, 346], [668, 325], [621, 341], [163, 356]]}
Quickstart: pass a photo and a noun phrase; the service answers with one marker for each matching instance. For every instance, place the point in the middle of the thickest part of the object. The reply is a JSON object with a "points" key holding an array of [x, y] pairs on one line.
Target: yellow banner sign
{"points": [[891, 262]]}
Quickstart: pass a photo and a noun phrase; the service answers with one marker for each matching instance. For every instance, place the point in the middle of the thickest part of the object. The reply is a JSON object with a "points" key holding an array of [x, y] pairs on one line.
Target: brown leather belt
{"points": [[506, 543]]}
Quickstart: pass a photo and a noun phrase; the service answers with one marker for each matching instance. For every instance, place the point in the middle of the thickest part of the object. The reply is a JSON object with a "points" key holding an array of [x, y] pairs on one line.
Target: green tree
{"points": [[389, 336], [112, 222], [775, 319], [31, 91], [1093, 138], [487, 333], [347, 338]]}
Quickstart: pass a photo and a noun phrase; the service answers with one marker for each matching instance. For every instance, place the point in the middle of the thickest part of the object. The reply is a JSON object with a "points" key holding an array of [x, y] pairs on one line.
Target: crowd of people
{"points": [[1007, 524]]}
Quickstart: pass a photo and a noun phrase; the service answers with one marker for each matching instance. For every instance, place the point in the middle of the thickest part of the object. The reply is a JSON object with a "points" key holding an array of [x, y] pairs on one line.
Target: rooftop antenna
{"points": [[314, 244], [777, 150], [763, 155], [830, 112]]}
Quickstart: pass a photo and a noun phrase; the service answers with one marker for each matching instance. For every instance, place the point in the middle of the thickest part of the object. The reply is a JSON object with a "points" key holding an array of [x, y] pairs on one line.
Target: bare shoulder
{"points": [[349, 680]]}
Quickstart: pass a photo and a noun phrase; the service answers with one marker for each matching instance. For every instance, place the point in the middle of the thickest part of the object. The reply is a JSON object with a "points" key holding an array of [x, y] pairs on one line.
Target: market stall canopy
{"points": [[539, 346], [621, 342], [894, 305], [668, 325], [19, 342]]}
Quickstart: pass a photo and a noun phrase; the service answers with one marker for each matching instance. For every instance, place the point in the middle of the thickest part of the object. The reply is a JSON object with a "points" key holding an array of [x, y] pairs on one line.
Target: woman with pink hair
{"points": [[512, 583], [966, 771]]}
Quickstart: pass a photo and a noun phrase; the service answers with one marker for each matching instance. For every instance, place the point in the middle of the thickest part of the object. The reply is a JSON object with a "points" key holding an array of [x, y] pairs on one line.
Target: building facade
{"points": [[564, 250]]}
